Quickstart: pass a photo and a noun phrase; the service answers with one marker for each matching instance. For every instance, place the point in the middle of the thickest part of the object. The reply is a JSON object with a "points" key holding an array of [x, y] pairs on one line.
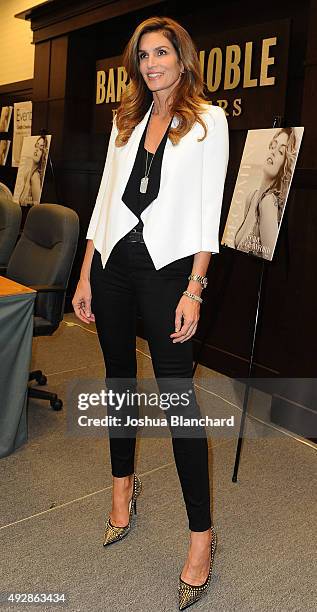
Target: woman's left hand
{"points": [[189, 309]]}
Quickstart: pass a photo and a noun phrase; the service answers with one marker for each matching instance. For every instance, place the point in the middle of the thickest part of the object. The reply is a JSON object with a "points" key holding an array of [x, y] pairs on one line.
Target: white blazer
{"points": [[184, 218]]}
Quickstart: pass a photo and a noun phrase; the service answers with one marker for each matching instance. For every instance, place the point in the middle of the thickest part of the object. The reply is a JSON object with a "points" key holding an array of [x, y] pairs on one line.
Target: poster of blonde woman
{"points": [[4, 150], [5, 117], [30, 177], [261, 190]]}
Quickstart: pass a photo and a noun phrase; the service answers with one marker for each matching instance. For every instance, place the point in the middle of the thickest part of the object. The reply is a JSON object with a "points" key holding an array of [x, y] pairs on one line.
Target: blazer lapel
{"points": [[168, 160], [126, 155]]}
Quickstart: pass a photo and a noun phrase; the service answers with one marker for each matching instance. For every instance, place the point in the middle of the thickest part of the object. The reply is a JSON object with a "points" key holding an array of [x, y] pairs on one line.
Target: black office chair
{"points": [[43, 259], [10, 221]]}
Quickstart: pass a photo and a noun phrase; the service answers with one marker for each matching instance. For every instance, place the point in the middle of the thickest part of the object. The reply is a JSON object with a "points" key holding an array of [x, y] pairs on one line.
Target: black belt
{"points": [[134, 236]]}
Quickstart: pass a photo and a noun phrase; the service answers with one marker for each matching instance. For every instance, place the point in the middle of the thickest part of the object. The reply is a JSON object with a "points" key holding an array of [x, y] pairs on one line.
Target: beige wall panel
{"points": [[16, 49]]}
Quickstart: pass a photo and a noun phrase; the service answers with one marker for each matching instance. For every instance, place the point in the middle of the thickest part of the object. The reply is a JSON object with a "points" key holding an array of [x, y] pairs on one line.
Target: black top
{"points": [[136, 201]]}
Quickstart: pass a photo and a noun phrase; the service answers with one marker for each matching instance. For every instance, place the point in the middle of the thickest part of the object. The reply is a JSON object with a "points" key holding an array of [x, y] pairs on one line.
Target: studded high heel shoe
{"points": [[113, 533], [188, 593]]}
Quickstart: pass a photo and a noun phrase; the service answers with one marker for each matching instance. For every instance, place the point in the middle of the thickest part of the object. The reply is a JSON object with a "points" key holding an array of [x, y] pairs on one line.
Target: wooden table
{"points": [[9, 287], [16, 332]]}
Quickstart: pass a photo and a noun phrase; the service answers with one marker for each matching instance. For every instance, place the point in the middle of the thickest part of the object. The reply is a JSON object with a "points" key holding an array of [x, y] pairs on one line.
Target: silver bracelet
{"points": [[203, 280], [193, 296]]}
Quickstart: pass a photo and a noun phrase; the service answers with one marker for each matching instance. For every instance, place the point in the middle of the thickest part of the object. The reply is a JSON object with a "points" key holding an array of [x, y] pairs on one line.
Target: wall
{"points": [[16, 50]]}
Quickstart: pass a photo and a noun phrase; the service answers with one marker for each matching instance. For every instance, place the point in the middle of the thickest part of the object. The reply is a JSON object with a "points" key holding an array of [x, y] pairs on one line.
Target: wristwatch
{"points": [[203, 280]]}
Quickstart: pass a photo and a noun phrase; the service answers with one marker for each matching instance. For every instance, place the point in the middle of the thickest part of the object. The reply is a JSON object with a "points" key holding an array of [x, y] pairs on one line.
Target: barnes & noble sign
{"points": [[244, 71]]}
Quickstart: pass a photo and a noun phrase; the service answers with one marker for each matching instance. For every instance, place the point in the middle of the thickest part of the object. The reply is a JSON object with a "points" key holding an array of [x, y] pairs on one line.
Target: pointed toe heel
{"points": [[189, 594], [113, 533]]}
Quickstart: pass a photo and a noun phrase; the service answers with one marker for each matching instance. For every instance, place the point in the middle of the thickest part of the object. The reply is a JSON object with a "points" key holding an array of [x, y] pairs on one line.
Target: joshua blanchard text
{"points": [[180, 420]]}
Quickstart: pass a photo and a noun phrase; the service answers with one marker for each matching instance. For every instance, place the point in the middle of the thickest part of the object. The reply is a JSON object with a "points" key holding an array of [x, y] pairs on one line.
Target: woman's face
{"points": [[38, 150], [158, 61], [276, 155]]}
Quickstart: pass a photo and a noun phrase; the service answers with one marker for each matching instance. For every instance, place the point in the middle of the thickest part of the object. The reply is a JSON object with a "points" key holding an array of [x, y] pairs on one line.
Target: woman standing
{"points": [[150, 239]]}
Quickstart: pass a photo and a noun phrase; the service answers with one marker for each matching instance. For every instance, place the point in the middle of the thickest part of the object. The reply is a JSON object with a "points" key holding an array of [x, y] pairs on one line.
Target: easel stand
{"points": [[276, 123], [247, 388]]}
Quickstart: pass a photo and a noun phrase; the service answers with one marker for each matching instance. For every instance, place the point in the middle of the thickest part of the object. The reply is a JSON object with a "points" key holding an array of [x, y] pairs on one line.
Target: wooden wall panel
{"points": [[42, 71]]}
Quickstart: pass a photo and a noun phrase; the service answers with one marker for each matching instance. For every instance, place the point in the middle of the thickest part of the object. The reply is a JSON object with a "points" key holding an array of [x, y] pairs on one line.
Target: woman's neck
{"points": [[161, 108], [265, 184]]}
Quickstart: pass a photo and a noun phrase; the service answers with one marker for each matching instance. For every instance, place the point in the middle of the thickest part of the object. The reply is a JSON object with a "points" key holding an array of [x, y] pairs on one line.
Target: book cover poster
{"points": [[31, 172], [261, 190], [22, 126], [4, 150], [5, 117]]}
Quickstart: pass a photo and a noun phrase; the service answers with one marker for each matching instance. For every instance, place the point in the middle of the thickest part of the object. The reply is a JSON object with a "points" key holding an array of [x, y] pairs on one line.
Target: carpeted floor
{"points": [[56, 493]]}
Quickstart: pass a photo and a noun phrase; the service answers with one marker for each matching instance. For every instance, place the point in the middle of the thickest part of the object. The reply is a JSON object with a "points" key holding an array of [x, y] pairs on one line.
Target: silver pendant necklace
{"points": [[145, 179]]}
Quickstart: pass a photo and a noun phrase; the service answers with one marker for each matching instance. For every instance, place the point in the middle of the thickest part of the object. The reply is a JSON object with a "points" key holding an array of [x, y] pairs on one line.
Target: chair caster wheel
{"points": [[57, 404], [42, 381]]}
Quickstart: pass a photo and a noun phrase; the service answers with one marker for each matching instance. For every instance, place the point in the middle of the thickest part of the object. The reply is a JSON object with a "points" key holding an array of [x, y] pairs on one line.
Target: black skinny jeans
{"points": [[130, 281]]}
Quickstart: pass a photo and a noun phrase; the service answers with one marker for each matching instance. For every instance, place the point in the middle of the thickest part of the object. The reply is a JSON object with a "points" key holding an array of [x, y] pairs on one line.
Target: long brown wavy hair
{"points": [[187, 98]]}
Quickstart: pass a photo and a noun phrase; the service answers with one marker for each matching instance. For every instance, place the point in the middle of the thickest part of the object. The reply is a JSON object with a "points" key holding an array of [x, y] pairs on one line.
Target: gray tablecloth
{"points": [[16, 330]]}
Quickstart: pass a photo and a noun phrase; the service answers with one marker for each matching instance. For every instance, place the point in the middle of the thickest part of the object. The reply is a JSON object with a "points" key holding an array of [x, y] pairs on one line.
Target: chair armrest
{"points": [[48, 288], [49, 302]]}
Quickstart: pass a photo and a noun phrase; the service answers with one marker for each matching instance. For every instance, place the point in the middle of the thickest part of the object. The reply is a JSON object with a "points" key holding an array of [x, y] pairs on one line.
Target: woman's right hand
{"points": [[82, 302]]}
